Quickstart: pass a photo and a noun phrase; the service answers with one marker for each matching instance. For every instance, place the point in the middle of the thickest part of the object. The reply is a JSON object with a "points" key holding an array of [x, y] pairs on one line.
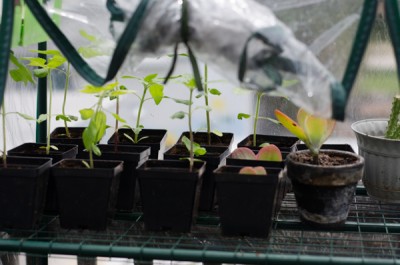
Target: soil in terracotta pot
{"points": [[325, 159]]}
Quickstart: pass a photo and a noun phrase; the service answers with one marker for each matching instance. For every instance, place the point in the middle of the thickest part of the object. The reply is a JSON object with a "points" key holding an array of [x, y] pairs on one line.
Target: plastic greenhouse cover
{"points": [[302, 54]]}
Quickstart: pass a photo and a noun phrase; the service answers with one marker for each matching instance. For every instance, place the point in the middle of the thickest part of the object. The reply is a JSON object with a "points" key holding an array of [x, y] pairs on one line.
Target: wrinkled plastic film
{"points": [[219, 31]]}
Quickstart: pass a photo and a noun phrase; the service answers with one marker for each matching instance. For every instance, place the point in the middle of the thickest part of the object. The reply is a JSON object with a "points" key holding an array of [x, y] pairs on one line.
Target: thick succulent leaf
{"points": [[243, 153], [270, 153], [253, 171], [290, 125]]}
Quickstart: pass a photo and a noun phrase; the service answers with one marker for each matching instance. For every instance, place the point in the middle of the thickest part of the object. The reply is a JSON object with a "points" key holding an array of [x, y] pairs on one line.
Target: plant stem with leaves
{"points": [[207, 104]]}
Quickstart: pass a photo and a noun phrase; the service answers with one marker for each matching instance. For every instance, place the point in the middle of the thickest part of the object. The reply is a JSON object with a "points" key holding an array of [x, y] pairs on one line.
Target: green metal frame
{"points": [[370, 236]]}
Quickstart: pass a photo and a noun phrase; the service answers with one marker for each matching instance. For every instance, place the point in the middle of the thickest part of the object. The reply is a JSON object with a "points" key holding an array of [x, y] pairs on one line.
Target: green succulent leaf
{"points": [[243, 153]]}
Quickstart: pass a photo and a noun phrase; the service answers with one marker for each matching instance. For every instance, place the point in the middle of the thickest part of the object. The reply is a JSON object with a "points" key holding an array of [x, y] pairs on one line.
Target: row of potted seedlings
{"points": [[191, 177]]}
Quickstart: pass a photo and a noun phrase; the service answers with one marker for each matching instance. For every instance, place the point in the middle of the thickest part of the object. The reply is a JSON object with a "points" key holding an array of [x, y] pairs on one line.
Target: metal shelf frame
{"points": [[370, 236]]}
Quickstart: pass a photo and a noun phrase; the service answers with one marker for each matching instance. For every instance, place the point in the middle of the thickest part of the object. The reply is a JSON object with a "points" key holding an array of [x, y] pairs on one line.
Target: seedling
{"points": [[206, 93], [256, 117], [45, 68], [152, 85], [253, 171], [267, 153], [98, 119], [19, 74], [193, 147], [310, 129]]}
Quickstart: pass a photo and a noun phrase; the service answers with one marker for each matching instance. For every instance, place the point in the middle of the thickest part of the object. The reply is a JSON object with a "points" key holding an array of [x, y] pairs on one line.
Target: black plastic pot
{"points": [[170, 194], [35, 150], [87, 197], [155, 139], [23, 191], [133, 156], [214, 157], [324, 193], [226, 140], [58, 136], [246, 202], [340, 147], [284, 143]]}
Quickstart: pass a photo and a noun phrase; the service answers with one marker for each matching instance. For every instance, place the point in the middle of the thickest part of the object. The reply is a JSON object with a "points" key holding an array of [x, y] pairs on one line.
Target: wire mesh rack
{"points": [[371, 235]]}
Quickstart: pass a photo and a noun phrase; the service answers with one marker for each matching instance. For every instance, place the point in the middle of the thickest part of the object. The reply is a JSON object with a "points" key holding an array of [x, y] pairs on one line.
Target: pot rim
{"points": [[373, 120], [358, 162]]}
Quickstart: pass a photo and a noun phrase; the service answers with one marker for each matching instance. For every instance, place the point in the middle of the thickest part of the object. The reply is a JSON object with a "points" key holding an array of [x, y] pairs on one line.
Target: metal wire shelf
{"points": [[371, 235]]}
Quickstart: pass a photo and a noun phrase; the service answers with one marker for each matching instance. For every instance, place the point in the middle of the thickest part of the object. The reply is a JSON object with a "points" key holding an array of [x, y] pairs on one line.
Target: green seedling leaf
{"points": [[41, 118], [199, 95], [180, 54], [41, 72], [206, 108], [96, 150], [22, 73], [191, 83], [117, 117], [48, 52], [150, 78], [243, 153], [129, 138], [86, 164], [156, 92], [90, 89], [197, 149], [291, 125], [142, 138], [131, 77], [242, 116], [56, 61], [264, 144], [54, 147], [182, 101], [269, 153], [215, 92], [253, 171], [217, 133], [178, 115], [67, 118], [26, 117], [87, 36], [33, 61], [89, 52], [138, 129], [86, 113], [118, 93]]}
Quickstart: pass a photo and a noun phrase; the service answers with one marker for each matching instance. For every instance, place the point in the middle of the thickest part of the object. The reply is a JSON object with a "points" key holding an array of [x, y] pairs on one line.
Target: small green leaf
{"points": [[86, 164], [242, 116], [48, 52], [217, 133], [63, 117], [150, 78], [86, 113], [129, 138], [131, 77], [142, 138], [87, 36], [178, 115], [156, 92], [215, 92], [41, 72], [42, 118], [206, 108], [26, 117], [56, 61], [199, 151], [90, 89], [182, 101], [96, 150], [54, 147], [117, 117], [33, 61]]}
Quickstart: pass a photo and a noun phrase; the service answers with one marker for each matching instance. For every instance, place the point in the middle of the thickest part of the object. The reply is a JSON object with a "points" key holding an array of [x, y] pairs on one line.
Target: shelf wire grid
{"points": [[371, 234]]}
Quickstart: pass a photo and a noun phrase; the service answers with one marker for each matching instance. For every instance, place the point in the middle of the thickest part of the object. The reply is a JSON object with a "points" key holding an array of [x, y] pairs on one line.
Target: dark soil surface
{"points": [[325, 159]]}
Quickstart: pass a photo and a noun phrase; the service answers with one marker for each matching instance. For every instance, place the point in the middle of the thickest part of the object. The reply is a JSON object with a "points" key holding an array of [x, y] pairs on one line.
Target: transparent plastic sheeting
{"points": [[219, 31]]}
